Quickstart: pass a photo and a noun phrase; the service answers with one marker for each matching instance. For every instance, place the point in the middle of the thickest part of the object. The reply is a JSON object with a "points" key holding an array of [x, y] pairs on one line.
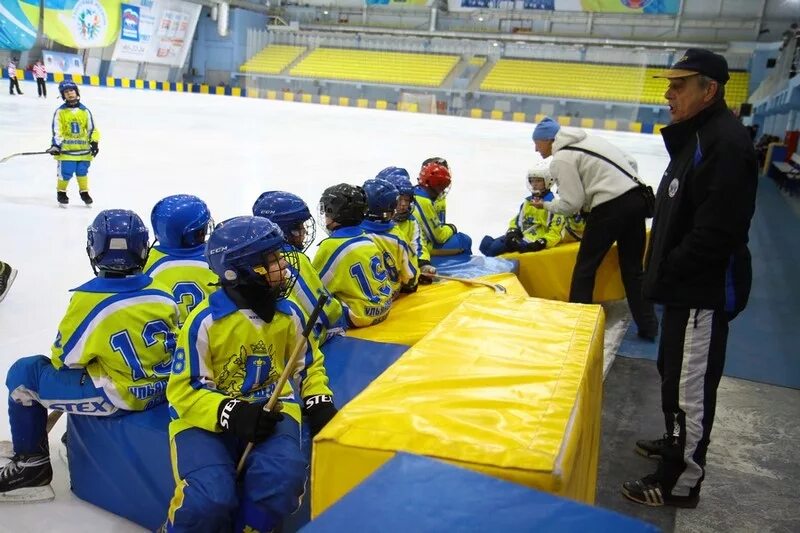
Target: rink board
{"points": [[494, 387], [548, 273], [436, 496]]}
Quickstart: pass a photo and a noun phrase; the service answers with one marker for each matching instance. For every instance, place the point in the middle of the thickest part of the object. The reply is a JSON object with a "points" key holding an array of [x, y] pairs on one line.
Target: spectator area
{"points": [[272, 59], [592, 81], [428, 70]]}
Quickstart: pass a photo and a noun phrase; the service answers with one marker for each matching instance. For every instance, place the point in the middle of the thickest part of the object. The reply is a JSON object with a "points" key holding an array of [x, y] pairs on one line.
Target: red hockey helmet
{"points": [[435, 176]]}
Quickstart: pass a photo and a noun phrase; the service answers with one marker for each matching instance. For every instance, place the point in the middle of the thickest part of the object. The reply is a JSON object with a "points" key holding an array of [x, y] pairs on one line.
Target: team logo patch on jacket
{"points": [[673, 187]]}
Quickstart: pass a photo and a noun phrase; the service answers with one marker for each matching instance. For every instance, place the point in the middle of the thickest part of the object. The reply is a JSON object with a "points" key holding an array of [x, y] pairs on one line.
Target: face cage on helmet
{"points": [[201, 235], [288, 275], [321, 216], [534, 191], [309, 229]]}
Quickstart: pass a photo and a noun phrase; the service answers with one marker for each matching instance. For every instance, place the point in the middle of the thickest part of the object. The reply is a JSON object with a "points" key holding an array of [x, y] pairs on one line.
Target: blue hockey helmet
{"points": [[68, 85], [381, 199], [290, 213], [399, 179], [117, 241], [391, 171], [181, 221], [246, 250]]}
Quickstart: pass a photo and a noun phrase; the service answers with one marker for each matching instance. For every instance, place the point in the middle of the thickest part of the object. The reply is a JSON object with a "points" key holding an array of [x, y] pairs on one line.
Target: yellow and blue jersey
{"points": [[351, 267], [409, 229], [538, 223], [225, 352], [399, 261], [434, 231], [574, 228], [306, 293], [122, 332], [185, 272], [73, 131]]}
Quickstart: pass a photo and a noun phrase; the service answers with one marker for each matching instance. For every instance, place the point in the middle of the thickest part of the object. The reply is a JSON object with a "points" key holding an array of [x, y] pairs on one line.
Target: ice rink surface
{"points": [[227, 151]]}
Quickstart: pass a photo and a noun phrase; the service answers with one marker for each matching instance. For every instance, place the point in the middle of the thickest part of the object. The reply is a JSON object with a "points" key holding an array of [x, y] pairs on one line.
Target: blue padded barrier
{"points": [[122, 464], [474, 266], [414, 493]]}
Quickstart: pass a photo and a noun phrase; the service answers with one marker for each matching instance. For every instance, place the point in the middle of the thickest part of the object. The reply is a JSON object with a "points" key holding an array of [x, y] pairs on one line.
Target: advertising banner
{"points": [[633, 7], [62, 62], [156, 31], [17, 30], [397, 3]]}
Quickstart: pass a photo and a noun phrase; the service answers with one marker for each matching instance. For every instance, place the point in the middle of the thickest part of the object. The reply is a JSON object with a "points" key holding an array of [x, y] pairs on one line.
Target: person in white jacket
{"points": [[598, 179]]}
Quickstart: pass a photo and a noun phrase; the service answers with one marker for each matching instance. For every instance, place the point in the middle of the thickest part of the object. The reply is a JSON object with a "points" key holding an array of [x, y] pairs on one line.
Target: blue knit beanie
{"points": [[546, 129]]}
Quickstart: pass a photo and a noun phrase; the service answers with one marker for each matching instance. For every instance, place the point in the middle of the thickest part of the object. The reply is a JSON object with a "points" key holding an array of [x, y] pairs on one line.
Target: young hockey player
{"points": [[440, 238], [75, 142], [181, 223], [349, 263], [533, 228], [406, 223], [399, 260], [112, 353], [294, 218], [231, 352]]}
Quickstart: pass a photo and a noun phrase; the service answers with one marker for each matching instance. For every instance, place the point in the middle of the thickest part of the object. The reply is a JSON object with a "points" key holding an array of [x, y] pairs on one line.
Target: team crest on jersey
{"points": [[673, 187], [249, 371]]}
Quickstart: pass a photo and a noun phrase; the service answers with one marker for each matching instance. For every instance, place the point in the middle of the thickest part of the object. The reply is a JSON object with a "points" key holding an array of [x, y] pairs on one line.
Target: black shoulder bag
{"points": [[645, 190]]}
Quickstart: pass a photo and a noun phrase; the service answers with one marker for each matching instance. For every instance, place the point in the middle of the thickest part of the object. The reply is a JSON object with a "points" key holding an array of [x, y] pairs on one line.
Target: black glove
{"points": [[95, 148], [453, 227], [535, 246], [53, 150], [513, 239], [319, 410], [425, 280], [248, 421]]}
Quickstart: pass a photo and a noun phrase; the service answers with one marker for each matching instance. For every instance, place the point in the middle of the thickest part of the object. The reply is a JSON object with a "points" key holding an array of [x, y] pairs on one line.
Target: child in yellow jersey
{"points": [[181, 223], [74, 143], [406, 224], [231, 352], [292, 215], [112, 353], [441, 238], [532, 228], [349, 264], [398, 259]]}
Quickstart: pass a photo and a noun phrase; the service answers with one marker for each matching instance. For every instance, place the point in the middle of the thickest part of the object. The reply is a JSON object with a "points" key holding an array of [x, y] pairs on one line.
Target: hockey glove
{"points": [[54, 150], [95, 148], [513, 239], [248, 421], [535, 246], [425, 267], [319, 410]]}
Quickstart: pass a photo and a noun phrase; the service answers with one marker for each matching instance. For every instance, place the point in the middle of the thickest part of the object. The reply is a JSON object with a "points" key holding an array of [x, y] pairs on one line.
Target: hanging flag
{"points": [[82, 23], [17, 28]]}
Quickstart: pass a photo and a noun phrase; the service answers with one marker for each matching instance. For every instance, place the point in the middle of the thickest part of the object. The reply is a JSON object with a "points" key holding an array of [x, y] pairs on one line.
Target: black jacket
{"points": [[698, 255]]}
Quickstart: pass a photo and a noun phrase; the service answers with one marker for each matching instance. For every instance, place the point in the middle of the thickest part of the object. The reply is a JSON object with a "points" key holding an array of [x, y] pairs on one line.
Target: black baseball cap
{"points": [[698, 61]]}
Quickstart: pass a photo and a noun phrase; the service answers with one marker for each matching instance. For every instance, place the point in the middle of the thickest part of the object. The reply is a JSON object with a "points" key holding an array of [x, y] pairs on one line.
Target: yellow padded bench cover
{"points": [[506, 385], [548, 273], [414, 315]]}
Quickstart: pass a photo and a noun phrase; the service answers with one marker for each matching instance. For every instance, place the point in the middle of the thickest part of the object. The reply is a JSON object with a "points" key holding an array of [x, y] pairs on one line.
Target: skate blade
{"points": [[63, 206], [28, 495]]}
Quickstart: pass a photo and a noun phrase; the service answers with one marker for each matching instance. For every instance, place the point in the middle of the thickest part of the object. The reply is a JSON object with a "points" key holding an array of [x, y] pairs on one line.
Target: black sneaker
{"points": [[86, 198], [654, 449], [24, 472], [7, 277], [62, 198], [648, 491]]}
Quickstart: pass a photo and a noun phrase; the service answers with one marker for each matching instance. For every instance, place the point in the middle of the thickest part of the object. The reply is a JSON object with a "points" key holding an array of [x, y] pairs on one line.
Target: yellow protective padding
{"points": [[548, 273], [506, 385], [414, 315]]}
